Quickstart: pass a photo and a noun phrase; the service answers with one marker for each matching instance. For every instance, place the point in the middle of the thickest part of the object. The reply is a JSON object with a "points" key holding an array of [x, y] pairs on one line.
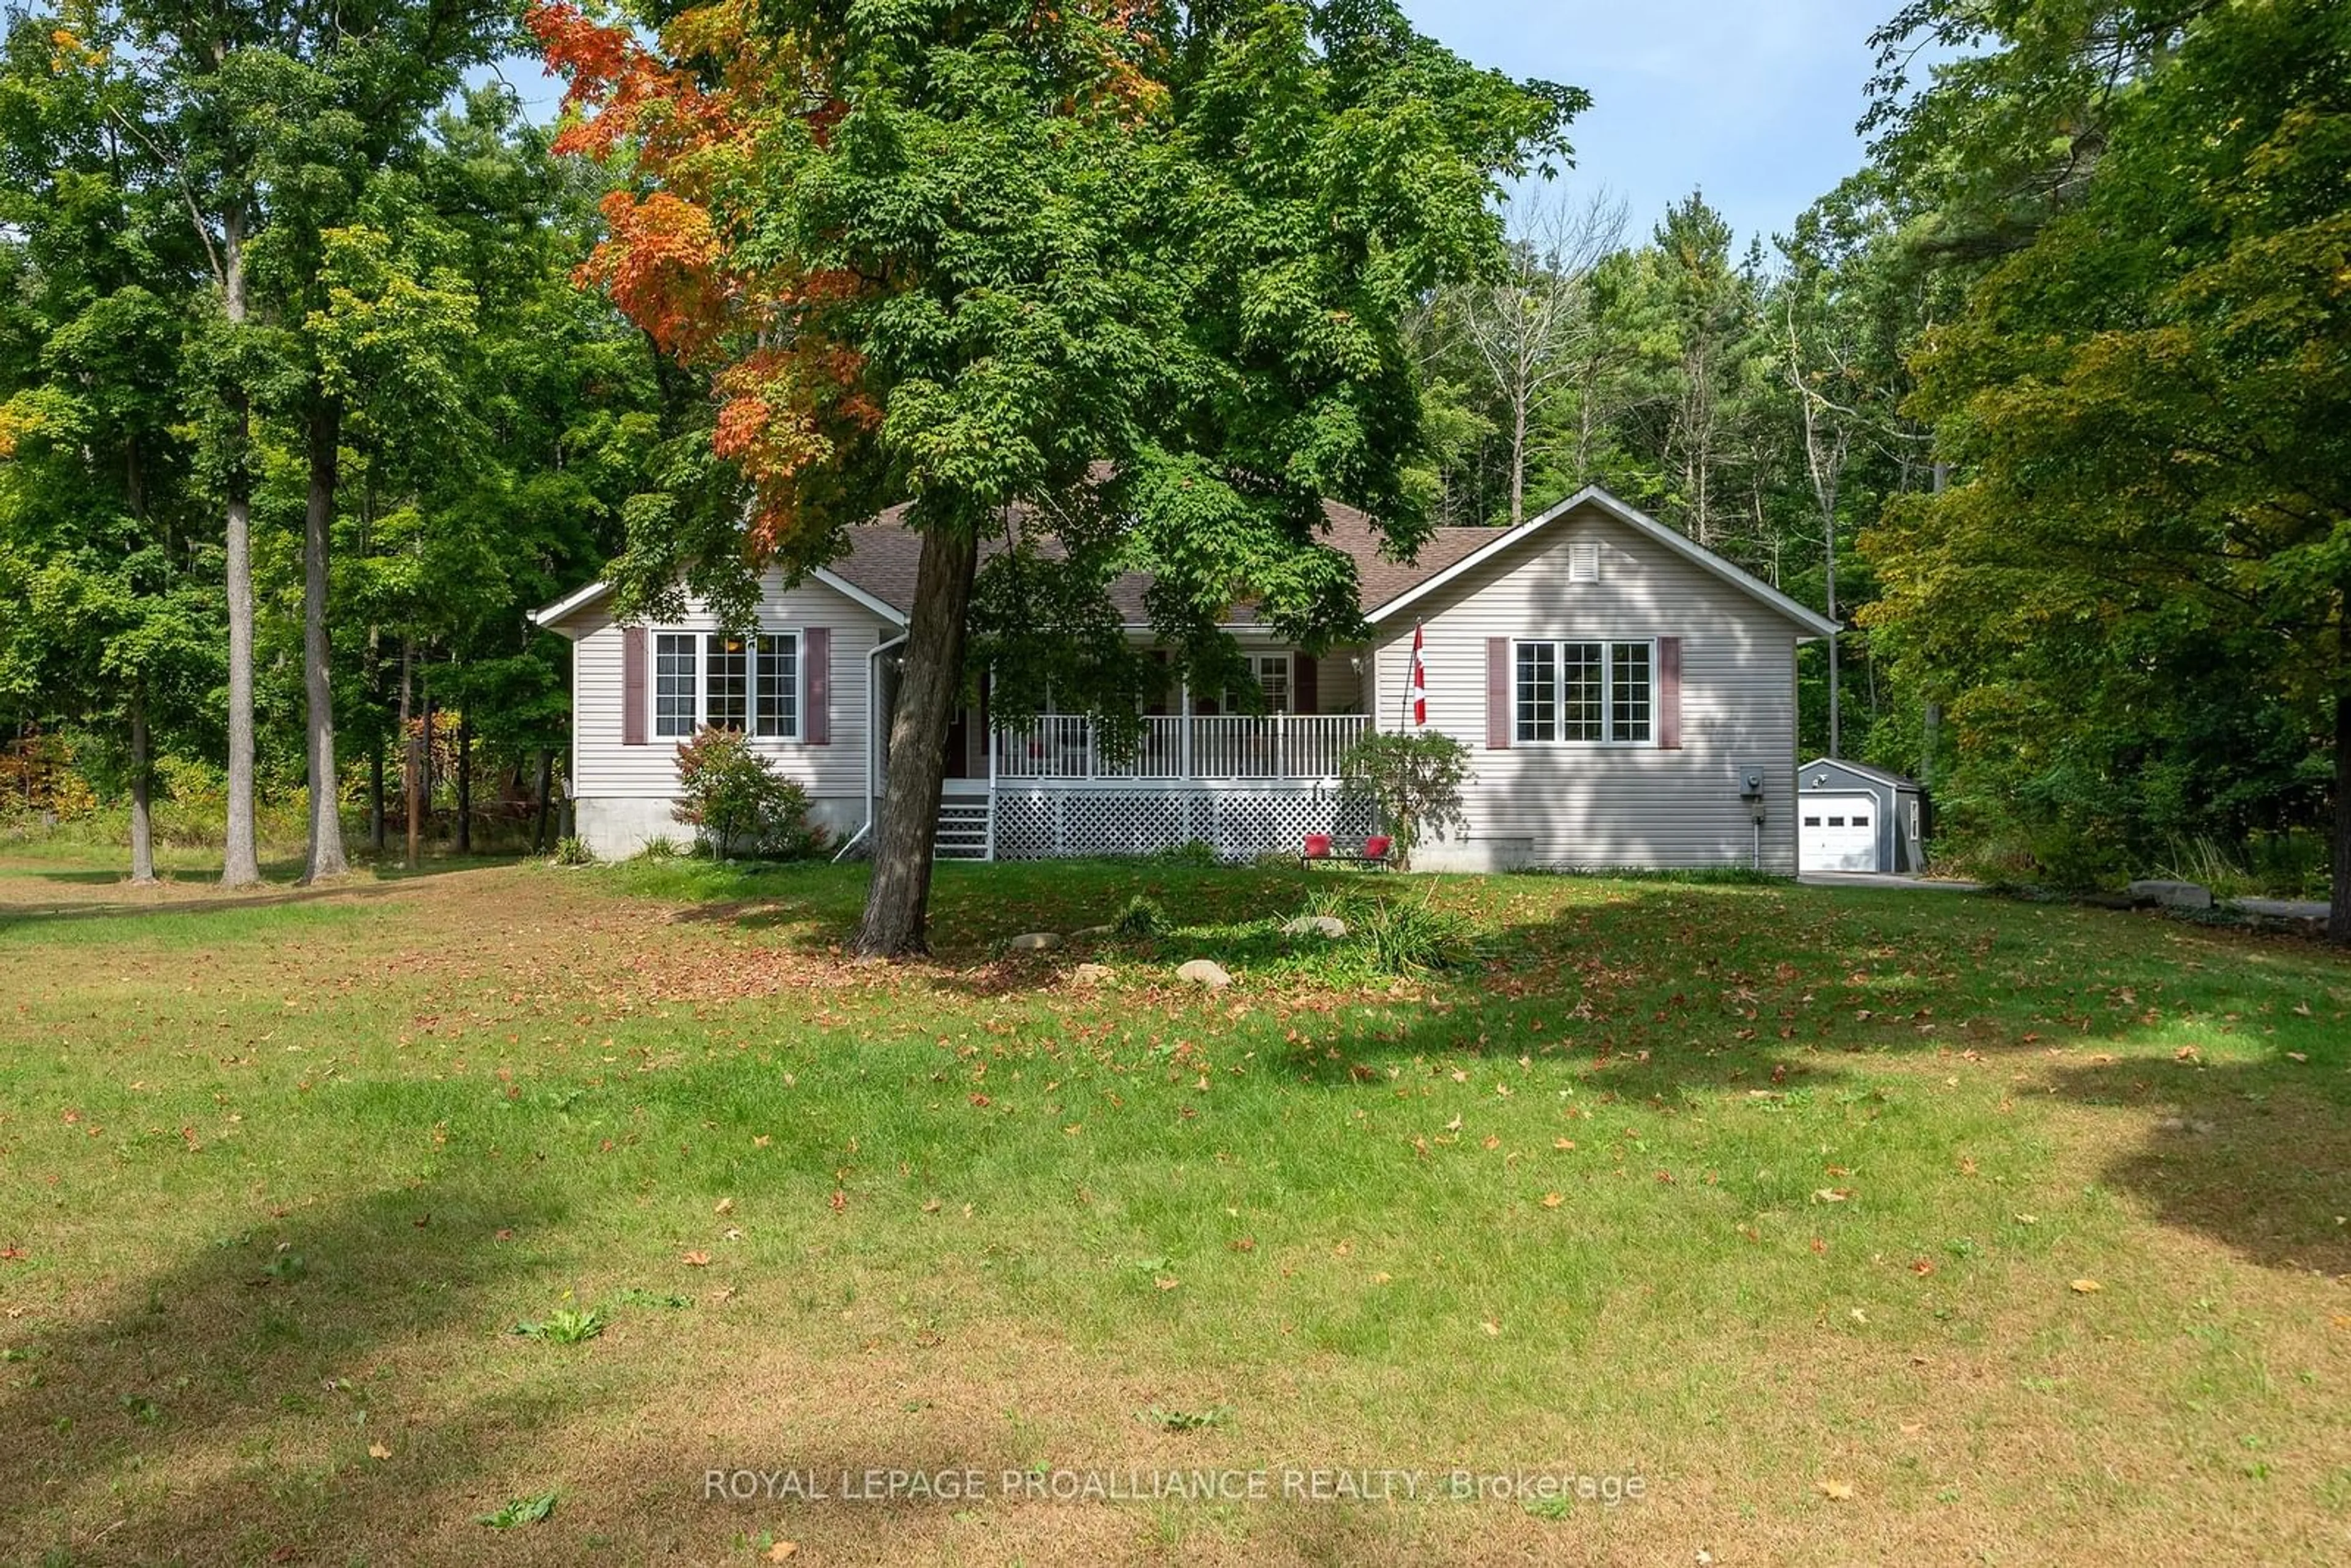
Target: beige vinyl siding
{"points": [[1614, 805], [604, 768], [1338, 689]]}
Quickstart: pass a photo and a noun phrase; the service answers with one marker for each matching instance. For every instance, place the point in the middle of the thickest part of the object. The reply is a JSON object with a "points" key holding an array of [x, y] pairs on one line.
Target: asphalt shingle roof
{"points": [[882, 556]]}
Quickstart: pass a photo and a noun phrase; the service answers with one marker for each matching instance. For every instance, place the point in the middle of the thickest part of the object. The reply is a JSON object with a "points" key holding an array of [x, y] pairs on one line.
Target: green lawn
{"points": [[1853, 1225]]}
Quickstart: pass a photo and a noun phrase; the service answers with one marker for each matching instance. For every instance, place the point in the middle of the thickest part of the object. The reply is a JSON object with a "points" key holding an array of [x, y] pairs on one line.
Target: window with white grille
{"points": [[674, 686], [1584, 693], [727, 682], [775, 705], [1272, 673]]}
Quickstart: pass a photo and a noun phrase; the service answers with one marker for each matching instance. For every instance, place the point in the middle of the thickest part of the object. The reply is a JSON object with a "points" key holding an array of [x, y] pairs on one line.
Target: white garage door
{"points": [[1837, 833]]}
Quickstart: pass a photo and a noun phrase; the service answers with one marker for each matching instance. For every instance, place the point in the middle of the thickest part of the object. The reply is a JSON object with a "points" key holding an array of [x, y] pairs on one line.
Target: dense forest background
{"points": [[2048, 404]]}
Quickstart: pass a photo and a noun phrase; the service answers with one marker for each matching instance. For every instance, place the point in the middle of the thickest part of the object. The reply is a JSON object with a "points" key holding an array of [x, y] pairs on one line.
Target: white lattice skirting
{"points": [[1239, 825]]}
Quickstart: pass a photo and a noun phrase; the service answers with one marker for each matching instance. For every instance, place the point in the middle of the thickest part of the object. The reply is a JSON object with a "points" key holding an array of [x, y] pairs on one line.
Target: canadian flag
{"points": [[1418, 693]]}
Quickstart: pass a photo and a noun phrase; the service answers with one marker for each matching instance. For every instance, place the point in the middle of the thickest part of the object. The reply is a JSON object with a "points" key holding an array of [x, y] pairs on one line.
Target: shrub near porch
{"points": [[1759, 1192]]}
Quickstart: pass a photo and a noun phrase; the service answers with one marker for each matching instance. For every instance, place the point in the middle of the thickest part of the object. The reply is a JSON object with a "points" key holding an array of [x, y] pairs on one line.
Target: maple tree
{"points": [[1137, 269]]}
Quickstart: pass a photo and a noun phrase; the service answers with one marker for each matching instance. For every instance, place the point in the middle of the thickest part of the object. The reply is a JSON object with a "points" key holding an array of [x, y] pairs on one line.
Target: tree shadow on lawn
{"points": [[2253, 1154], [1663, 992], [222, 1411], [191, 1368], [177, 896]]}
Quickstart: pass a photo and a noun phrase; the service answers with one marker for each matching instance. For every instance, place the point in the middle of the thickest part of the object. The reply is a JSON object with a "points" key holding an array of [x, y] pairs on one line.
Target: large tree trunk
{"points": [[375, 799], [411, 763], [546, 787], [464, 783], [1518, 457], [375, 752], [240, 863], [897, 902], [327, 857], [2338, 907], [143, 820]]}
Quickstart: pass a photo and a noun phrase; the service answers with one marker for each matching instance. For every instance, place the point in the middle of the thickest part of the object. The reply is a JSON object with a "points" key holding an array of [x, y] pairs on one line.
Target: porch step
{"points": [[964, 829]]}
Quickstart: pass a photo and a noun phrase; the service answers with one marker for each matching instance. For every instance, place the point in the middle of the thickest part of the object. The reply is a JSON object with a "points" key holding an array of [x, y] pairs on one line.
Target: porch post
{"points": [[988, 728], [1281, 743], [1184, 690]]}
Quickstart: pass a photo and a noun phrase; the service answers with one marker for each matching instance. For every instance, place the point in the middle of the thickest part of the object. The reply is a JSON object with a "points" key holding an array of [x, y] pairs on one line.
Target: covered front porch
{"points": [[1073, 749], [1061, 785], [1187, 770]]}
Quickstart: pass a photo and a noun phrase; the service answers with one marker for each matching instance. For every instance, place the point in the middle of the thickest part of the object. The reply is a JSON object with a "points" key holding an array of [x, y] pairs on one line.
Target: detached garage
{"points": [[1851, 818]]}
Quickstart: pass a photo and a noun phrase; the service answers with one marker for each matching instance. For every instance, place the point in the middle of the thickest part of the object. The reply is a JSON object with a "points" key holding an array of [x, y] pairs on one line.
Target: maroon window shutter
{"points": [[1498, 693], [1669, 693], [816, 660], [632, 685], [1306, 685]]}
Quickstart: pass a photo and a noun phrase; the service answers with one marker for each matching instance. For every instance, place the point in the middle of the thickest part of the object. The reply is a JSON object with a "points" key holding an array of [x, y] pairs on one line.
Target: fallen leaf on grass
{"points": [[1839, 1490], [697, 1259], [1564, 1143], [2297, 1056], [1166, 1282], [1552, 1200], [378, 1451], [1491, 1327], [1922, 1267], [724, 1206], [1831, 1195], [782, 1550], [2087, 1287]]}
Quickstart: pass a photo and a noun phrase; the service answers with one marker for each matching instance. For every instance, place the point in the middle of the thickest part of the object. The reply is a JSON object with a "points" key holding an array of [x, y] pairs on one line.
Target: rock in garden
{"points": [[1092, 933], [2172, 895], [1034, 941], [1203, 972], [1329, 925], [1092, 974]]}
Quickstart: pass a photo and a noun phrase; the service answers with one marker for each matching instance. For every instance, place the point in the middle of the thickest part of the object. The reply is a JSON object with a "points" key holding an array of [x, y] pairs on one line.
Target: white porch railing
{"points": [[1179, 747]]}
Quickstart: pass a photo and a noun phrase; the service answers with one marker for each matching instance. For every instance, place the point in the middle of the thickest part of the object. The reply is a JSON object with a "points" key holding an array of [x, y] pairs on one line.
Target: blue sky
{"points": [[1752, 101]]}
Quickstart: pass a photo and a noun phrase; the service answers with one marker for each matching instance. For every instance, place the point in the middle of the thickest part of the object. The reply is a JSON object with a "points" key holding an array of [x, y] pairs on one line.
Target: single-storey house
{"points": [[1851, 818], [1630, 698]]}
